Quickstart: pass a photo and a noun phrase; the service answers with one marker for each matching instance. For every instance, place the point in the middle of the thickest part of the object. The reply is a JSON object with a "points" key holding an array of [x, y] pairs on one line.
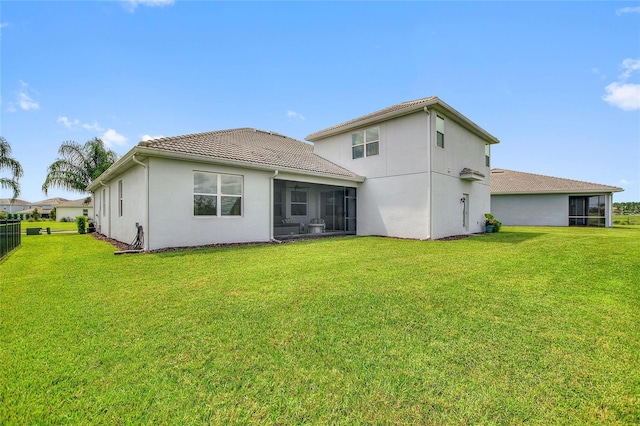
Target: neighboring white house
{"points": [[24, 208], [13, 206], [70, 209], [418, 169], [528, 199]]}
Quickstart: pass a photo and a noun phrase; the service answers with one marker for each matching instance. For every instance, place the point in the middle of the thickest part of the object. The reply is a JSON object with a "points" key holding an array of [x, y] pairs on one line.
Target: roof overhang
{"points": [[141, 153], [434, 103], [562, 192]]}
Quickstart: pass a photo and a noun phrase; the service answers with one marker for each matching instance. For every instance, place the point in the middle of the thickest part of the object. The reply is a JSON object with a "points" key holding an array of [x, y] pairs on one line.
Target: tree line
{"points": [[75, 168], [628, 207]]}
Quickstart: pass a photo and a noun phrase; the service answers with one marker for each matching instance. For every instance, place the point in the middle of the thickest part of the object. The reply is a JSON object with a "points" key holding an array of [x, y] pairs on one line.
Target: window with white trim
{"points": [[365, 143], [120, 205], [487, 155], [439, 131], [298, 203], [216, 194]]}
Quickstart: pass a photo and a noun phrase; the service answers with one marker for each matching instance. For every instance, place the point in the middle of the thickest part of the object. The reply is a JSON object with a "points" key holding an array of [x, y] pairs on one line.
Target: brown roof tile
{"points": [[512, 182], [403, 108], [251, 146], [82, 202], [398, 107]]}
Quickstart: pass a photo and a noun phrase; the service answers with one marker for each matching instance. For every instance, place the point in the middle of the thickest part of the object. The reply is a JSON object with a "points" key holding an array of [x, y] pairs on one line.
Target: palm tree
{"points": [[78, 165], [6, 162]]}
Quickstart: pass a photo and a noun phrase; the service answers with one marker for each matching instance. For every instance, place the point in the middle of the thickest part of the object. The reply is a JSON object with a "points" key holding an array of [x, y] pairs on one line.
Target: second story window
{"points": [[439, 131], [487, 154], [365, 143]]}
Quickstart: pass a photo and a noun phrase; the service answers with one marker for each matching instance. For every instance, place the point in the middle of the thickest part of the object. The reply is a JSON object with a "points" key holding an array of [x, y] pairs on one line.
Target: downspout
{"points": [[146, 176], [271, 200], [430, 174]]}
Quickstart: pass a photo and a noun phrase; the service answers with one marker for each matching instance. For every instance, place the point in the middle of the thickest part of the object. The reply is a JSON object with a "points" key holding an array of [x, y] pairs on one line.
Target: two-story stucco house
{"points": [[418, 169], [426, 167]]}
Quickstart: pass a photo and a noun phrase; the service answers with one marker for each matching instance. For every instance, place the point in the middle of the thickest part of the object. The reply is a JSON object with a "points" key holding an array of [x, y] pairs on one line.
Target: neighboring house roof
{"points": [[50, 202], [401, 109], [30, 211], [511, 182], [16, 202], [82, 202], [243, 147]]}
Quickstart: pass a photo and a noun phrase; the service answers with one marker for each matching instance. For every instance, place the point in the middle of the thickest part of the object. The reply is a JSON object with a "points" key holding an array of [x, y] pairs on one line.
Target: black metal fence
{"points": [[9, 235]]}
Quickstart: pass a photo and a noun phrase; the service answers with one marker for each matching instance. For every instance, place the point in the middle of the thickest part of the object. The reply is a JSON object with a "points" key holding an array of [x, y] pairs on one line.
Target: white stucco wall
{"points": [[448, 209], [462, 149], [172, 222], [541, 209], [531, 210], [402, 181], [122, 228], [100, 211], [394, 206]]}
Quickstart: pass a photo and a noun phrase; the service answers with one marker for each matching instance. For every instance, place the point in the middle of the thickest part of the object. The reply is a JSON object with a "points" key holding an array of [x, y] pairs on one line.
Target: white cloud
{"points": [[94, 126], [629, 66], [624, 10], [111, 138], [68, 123], [622, 94], [293, 114], [24, 101], [149, 137], [131, 5]]}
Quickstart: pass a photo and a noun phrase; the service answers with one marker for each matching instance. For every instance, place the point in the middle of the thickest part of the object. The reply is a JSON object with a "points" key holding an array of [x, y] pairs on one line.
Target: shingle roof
{"points": [[251, 146], [512, 182]]}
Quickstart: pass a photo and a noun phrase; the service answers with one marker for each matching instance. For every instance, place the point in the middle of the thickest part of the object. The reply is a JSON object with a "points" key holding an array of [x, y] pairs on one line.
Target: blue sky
{"points": [[557, 82]]}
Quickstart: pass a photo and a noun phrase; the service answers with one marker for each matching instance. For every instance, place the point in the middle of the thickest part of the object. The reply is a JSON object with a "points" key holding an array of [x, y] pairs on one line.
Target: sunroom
{"points": [[309, 210]]}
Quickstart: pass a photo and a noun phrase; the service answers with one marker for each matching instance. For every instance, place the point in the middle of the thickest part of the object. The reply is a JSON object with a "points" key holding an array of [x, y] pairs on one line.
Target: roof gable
{"points": [[398, 110], [511, 182]]}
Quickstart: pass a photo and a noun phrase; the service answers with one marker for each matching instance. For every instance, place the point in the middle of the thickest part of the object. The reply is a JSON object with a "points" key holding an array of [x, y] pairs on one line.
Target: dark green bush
{"points": [[81, 221]]}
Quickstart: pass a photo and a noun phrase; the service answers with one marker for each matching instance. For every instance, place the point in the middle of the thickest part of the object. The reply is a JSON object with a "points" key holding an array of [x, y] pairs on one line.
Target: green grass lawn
{"points": [[529, 325], [626, 219], [44, 224]]}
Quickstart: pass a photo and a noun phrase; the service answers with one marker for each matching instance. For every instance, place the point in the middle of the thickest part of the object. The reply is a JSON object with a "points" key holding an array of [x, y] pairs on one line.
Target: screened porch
{"points": [[307, 210]]}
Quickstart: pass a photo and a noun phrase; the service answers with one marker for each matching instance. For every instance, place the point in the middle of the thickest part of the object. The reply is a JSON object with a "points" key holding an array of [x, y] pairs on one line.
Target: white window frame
{"points": [[439, 131], [487, 155], [304, 203], [367, 143], [219, 194], [120, 203]]}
